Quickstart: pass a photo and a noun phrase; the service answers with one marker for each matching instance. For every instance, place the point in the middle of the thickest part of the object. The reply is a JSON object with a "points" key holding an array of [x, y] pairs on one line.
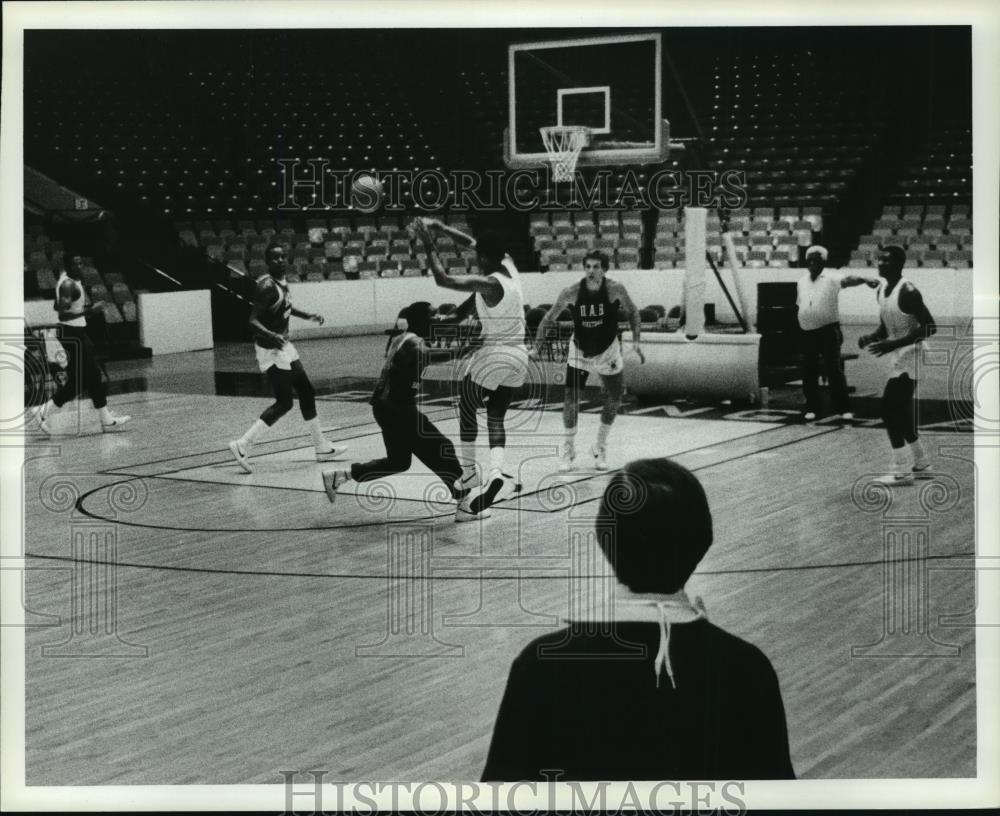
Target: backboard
{"points": [[611, 84]]}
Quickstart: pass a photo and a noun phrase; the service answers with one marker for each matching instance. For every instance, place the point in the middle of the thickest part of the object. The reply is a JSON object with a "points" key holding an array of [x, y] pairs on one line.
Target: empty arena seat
{"points": [[960, 258]]}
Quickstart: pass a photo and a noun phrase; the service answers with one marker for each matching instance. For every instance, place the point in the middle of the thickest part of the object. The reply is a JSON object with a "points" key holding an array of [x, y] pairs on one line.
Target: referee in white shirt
{"points": [[819, 319]]}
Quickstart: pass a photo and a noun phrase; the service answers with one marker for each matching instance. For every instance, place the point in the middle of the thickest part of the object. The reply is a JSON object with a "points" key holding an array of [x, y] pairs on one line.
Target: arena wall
{"points": [[370, 306]]}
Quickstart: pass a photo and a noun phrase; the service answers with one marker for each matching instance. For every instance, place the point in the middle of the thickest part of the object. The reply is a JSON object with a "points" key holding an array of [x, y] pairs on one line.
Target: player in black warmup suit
{"points": [[405, 430]]}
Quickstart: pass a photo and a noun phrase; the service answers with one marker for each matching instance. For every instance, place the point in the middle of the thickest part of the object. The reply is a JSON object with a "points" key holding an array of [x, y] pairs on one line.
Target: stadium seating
{"points": [[804, 125], [933, 235]]}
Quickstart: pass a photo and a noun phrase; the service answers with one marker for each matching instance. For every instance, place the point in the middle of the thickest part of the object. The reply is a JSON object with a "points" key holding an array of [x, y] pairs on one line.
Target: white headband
{"points": [[817, 250]]}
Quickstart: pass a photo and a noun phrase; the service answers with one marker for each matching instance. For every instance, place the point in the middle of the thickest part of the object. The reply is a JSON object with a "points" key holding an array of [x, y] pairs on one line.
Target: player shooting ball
{"points": [[495, 371]]}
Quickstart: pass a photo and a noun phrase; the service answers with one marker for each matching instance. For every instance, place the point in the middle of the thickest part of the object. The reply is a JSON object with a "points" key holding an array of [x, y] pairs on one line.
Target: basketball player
{"points": [[406, 431], [278, 359], [595, 303], [81, 362], [905, 322], [819, 319], [495, 370]]}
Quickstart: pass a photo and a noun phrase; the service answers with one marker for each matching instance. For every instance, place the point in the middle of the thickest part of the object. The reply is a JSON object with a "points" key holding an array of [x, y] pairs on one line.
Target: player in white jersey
{"points": [[493, 373], [82, 369], [905, 322]]}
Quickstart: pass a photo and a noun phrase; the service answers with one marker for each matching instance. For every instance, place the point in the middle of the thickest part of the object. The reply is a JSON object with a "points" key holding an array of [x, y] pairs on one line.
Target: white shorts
{"points": [[493, 366], [608, 363], [902, 361], [282, 358]]}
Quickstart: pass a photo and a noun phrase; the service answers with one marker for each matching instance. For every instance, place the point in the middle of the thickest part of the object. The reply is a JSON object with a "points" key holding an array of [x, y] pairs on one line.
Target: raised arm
{"points": [[460, 283], [456, 235], [566, 297], [858, 280]]}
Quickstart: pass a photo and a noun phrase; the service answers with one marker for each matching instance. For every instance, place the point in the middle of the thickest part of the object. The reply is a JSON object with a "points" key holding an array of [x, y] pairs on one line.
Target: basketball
{"points": [[367, 193]]}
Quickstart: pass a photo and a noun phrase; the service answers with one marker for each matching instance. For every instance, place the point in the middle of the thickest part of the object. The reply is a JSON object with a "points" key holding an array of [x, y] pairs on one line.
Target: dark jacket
{"points": [[584, 701]]}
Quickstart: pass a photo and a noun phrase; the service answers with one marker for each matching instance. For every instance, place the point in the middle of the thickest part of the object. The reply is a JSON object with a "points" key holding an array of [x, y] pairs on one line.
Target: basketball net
{"points": [[564, 143]]}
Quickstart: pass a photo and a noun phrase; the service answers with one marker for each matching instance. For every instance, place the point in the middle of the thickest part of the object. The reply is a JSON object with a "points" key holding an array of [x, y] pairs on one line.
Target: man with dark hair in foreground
{"points": [[651, 690]]}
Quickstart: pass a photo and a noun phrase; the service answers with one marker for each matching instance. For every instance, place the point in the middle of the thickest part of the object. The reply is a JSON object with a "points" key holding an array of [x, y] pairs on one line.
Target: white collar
{"points": [[665, 609]]}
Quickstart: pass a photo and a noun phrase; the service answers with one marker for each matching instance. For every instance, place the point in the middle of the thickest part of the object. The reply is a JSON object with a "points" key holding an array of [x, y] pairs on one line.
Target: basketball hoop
{"points": [[564, 143]]}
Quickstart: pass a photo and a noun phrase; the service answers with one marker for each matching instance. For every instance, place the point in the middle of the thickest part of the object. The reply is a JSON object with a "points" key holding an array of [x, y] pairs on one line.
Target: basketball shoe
{"points": [[567, 454], [42, 421], [328, 451], [498, 486], [600, 454], [898, 479], [464, 513], [333, 479], [115, 422], [469, 480], [241, 454]]}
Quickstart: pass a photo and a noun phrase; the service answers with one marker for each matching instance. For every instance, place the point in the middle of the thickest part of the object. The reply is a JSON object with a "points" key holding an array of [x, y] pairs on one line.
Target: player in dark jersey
{"points": [[278, 359], [405, 430], [596, 302], [81, 363]]}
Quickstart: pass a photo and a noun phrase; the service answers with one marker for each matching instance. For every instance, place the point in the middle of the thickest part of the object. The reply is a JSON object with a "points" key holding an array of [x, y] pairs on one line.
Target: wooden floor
{"points": [[254, 628]]}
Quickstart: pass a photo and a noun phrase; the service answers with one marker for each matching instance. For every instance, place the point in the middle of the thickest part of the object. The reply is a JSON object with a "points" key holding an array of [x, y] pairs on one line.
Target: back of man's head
{"points": [[654, 525]]}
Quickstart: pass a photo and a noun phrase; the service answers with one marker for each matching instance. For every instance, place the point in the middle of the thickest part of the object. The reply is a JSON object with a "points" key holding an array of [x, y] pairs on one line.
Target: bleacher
{"points": [[935, 235], [562, 239], [803, 124], [797, 123], [331, 247], [929, 212]]}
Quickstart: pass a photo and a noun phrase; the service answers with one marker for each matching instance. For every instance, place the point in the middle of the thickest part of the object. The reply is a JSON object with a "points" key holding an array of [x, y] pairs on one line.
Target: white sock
{"points": [[919, 454], [899, 464], [467, 453], [255, 432], [496, 458], [48, 408], [317, 435], [602, 435], [106, 416]]}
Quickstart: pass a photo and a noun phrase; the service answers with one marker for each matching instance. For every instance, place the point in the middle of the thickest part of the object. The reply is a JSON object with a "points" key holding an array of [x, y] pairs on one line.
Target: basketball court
{"points": [[189, 623], [254, 626]]}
